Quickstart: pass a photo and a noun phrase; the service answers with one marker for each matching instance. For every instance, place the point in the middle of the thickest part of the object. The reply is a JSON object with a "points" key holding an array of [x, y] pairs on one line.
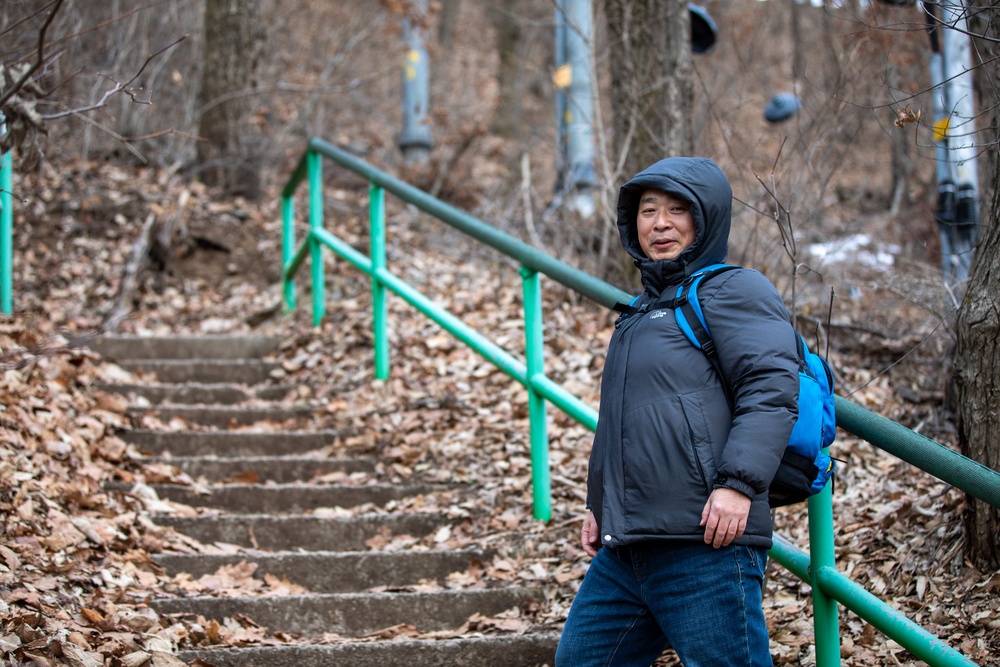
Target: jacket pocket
{"points": [[667, 465], [697, 407]]}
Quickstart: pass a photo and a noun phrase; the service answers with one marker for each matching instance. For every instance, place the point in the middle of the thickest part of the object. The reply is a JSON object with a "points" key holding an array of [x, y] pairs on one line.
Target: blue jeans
{"points": [[637, 600]]}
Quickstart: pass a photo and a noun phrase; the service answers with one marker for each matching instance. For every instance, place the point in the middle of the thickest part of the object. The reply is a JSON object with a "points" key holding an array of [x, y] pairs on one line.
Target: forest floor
{"points": [[75, 559], [76, 566]]}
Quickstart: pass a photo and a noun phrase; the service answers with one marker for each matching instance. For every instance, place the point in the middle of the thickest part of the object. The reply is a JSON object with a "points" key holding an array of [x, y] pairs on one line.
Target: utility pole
{"points": [[575, 105], [575, 98], [415, 138], [954, 133]]}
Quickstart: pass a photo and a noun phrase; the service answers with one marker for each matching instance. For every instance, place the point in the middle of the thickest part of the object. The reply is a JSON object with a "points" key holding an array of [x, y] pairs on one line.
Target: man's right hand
{"points": [[589, 538]]}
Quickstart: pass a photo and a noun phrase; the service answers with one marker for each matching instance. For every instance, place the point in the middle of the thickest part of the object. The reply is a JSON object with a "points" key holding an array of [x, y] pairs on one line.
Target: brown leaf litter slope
{"points": [[76, 566]]}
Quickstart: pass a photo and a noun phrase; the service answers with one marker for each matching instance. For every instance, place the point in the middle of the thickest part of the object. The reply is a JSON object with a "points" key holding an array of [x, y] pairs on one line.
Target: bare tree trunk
{"points": [[652, 84], [977, 362], [835, 76], [507, 118], [229, 154], [798, 53], [446, 24], [899, 139]]}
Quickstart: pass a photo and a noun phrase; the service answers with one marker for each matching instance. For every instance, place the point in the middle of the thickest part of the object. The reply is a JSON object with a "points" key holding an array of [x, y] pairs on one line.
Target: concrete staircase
{"points": [[258, 484]]}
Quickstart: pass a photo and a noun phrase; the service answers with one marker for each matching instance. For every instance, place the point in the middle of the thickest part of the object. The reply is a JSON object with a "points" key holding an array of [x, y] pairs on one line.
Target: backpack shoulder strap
{"points": [[628, 308], [688, 313], [686, 292]]}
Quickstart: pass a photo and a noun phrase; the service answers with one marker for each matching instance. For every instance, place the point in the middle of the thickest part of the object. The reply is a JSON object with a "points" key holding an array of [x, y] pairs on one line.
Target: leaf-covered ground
{"points": [[75, 558]]}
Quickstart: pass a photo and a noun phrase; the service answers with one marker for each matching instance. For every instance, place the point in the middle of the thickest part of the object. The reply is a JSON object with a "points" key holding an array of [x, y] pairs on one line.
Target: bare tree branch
{"points": [[39, 61], [119, 87]]}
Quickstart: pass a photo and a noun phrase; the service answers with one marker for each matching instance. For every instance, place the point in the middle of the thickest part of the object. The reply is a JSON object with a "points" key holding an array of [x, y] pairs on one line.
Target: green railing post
{"points": [[534, 353], [376, 219], [288, 249], [315, 168], [6, 235], [822, 555]]}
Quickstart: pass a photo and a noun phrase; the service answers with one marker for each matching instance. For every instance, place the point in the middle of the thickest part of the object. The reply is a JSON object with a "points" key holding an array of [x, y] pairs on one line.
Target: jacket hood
{"points": [[698, 181]]}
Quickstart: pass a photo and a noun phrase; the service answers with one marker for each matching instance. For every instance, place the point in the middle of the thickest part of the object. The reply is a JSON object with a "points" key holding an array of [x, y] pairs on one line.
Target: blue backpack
{"points": [[805, 467]]}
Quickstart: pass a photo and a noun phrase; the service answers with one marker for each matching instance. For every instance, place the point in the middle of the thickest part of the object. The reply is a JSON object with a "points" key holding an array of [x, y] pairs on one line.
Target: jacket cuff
{"points": [[726, 482]]}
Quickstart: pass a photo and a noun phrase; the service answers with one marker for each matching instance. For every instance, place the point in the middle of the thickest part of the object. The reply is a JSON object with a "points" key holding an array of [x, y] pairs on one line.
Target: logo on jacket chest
{"points": [[657, 314]]}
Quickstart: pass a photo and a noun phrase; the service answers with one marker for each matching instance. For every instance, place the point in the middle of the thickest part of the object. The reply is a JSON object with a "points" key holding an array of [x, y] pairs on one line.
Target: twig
{"points": [[848, 326], [133, 268], [529, 217], [829, 319], [904, 356], [450, 163], [112, 133], [162, 133], [28, 357], [783, 218], [165, 235]]}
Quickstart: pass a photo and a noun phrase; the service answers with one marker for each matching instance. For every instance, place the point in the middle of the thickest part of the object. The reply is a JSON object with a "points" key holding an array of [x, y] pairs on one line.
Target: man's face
{"points": [[664, 225]]}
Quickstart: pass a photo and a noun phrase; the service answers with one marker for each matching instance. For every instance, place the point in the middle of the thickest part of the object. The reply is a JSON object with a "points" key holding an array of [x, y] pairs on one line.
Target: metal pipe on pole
{"points": [[415, 138], [573, 81], [954, 132], [575, 105]]}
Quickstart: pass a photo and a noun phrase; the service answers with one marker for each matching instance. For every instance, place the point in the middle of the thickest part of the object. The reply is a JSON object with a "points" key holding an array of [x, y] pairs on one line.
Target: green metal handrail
{"points": [[6, 235], [818, 568]]}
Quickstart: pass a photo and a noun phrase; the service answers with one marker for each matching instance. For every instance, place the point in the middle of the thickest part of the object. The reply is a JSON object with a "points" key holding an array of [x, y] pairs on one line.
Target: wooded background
{"points": [[156, 86]]}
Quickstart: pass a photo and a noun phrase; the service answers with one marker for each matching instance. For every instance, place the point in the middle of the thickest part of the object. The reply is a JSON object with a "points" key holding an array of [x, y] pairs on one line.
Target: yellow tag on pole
{"points": [[941, 129], [563, 76]]}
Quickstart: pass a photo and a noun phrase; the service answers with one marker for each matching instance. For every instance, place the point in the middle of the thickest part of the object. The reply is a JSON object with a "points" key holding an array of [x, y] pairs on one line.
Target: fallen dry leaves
{"points": [[75, 557]]}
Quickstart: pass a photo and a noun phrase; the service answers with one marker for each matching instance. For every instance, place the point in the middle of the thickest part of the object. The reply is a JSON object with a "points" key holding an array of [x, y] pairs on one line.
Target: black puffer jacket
{"points": [[666, 435]]}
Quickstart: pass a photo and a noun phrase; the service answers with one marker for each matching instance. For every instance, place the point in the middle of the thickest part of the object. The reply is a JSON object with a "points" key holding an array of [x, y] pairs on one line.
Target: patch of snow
{"points": [[856, 249]]}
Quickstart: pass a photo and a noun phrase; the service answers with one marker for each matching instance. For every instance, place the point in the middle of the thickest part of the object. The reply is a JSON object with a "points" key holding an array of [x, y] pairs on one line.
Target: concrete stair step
{"points": [[278, 469], [195, 393], [333, 572], [305, 532], [353, 614], [183, 347], [232, 443], [207, 371], [355, 588], [286, 498], [224, 416], [531, 650]]}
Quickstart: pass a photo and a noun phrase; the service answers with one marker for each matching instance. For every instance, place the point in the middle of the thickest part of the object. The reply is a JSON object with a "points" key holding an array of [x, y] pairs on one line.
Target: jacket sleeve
{"points": [[756, 351]]}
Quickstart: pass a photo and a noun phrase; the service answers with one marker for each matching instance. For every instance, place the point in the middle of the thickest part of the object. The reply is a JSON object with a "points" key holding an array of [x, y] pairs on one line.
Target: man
{"points": [[679, 523]]}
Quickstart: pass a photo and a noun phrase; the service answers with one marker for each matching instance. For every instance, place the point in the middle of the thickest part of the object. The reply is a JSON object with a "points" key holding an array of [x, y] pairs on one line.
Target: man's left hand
{"points": [[725, 516]]}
